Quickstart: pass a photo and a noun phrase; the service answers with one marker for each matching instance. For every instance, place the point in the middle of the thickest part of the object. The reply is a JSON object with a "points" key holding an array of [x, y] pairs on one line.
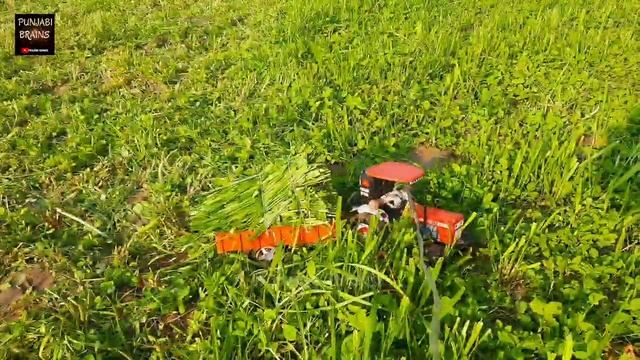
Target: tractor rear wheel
{"points": [[356, 199]]}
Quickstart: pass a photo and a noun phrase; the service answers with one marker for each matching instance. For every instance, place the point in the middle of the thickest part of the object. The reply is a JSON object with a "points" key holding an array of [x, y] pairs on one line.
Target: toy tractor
{"points": [[379, 182], [377, 186]]}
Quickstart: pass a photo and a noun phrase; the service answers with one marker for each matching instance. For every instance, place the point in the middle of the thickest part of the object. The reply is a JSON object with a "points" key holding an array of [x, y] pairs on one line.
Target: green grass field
{"points": [[107, 147]]}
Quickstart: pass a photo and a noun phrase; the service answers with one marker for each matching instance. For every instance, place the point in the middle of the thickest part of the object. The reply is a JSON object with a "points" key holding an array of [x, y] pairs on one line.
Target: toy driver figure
{"points": [[388, 206], [394, 202], [366, 211]]}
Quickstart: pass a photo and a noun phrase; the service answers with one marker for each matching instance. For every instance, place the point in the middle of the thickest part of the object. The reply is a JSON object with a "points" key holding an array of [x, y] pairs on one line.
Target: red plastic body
{"points": [[396, 172], [445, 225]]}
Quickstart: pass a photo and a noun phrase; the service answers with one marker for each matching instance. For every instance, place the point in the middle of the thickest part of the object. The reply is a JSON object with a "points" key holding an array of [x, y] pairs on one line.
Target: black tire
{"points": [[428, 234], [355, 199], [434, 251]]}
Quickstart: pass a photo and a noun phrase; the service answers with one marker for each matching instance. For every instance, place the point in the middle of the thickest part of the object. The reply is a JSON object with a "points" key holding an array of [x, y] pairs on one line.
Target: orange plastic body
{"points": [[445, 225], [247, 241]]}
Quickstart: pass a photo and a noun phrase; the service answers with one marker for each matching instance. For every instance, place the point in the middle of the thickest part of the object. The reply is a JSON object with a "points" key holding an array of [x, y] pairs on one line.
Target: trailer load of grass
{"points": [[289, 191]]}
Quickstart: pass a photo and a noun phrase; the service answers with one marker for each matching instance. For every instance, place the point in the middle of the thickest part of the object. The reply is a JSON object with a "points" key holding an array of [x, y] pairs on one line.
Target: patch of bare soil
{"points": [[140, 196], [428, 156], [10, 296], [39, 279], [618, 352], [593, 141], [16, 285]]}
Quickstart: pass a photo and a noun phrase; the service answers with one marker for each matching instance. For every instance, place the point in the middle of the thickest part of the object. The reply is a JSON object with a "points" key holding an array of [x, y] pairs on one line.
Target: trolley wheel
{"points": [[266, 253]]}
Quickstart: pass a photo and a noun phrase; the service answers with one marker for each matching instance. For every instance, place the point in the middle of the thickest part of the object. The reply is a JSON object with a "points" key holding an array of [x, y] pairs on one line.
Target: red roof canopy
{"points": [[396, 171]]}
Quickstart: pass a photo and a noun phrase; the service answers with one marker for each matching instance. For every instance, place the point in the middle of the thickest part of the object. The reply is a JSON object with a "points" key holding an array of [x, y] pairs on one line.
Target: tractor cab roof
{"points": [[399, 172]]}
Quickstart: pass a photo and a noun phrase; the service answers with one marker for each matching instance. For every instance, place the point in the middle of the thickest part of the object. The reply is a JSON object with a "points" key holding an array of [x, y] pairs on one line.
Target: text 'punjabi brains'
{"points": [[34, 34]]}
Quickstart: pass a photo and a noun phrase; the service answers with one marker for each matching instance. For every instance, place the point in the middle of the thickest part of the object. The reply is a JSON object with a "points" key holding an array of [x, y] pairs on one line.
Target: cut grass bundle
{"points": [[283, 192]]}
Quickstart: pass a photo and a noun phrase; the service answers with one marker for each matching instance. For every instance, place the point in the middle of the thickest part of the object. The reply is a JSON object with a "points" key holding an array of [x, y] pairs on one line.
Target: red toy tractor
{"points": [[377, 183]]}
